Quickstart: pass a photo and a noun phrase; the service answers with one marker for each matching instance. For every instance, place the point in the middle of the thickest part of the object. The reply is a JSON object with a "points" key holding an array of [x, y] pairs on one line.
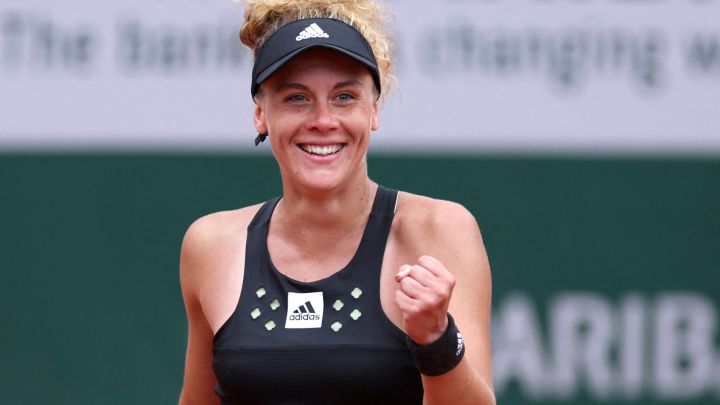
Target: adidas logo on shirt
{"points": [[305, 310], [312, 31]]}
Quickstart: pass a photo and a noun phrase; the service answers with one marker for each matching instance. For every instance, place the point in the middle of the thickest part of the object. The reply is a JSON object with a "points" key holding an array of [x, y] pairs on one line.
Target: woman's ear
{"points": [[375, 116], [259, 118]]}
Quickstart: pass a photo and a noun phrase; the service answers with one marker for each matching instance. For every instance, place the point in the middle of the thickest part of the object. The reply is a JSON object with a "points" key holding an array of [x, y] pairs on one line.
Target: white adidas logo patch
{"points": [[312, 31], [304, 310]]}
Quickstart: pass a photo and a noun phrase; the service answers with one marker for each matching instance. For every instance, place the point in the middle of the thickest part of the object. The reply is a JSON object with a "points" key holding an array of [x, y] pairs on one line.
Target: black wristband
{"points": [[440, 356]]}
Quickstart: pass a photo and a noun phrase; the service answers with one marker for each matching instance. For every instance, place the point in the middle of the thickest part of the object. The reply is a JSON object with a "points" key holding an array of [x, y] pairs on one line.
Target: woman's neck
{"points": [[333, 212]]}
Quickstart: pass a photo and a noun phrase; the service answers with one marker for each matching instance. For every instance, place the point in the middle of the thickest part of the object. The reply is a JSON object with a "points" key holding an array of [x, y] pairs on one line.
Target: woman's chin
{"points": [[323, 180], [321, 184]]}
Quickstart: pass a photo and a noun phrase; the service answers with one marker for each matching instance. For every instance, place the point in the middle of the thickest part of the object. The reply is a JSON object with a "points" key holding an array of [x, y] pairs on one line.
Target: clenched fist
{"points": [[423, 297]]}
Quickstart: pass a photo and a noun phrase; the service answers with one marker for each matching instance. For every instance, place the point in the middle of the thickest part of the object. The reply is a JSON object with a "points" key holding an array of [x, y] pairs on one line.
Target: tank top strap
{"points": [[385, 201], [256, 242], [264, 213], [372, 247]]}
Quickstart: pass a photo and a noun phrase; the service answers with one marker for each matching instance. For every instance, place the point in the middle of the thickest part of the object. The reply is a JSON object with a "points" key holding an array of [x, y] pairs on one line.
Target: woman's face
{"points": [[319, 110]]}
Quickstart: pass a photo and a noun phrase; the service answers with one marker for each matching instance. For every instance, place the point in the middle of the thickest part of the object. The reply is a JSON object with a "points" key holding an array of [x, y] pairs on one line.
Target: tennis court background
{"points": [[597, 194]]}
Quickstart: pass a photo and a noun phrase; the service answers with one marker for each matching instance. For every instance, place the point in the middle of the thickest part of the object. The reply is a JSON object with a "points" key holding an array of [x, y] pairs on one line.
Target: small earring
{"points": [[260, 138]]}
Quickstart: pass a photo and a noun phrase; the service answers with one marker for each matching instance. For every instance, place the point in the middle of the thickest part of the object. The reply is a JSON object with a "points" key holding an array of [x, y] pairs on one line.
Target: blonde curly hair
{"points": [[264, 17]]}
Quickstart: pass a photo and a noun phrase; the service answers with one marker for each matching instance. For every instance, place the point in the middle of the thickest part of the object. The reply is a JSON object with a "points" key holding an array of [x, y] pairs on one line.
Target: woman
{"points": [[341, 291]]}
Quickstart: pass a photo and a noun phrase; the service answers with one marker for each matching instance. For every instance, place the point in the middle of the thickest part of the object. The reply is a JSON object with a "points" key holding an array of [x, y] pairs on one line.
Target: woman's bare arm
{"points": [[199, 379], [453, 276]]}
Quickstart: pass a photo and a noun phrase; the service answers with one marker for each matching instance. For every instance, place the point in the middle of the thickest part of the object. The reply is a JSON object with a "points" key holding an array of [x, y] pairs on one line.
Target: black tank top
{"points": [[320, 342]]}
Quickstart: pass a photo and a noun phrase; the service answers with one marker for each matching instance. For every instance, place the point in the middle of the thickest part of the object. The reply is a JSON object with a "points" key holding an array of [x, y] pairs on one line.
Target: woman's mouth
{"points": [[321, 150]]}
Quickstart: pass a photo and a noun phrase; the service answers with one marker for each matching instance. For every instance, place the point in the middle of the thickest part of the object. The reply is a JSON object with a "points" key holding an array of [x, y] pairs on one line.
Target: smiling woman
{"points": [[340, 291], [319, 109]]}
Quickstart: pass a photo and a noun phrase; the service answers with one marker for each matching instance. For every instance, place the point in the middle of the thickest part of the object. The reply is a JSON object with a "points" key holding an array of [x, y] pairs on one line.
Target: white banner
{"points": [[589, 76]]}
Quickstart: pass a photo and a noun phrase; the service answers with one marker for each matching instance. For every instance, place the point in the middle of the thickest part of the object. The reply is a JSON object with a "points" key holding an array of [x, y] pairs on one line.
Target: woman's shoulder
{"points": [[418, 211], [430, 226], [214, 239], [220, 225], [445, 230]]}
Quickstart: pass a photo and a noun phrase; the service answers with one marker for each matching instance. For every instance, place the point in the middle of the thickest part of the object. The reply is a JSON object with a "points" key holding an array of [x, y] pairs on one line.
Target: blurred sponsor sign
{"points": [[659, 347]]}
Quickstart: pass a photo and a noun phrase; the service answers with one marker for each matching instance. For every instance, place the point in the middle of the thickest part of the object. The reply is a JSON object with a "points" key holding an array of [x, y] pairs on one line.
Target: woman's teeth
{"points": [[323, 150]]}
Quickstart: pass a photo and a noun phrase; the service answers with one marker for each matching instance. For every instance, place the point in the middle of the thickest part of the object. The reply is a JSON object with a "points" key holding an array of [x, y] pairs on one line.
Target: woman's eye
{"points": [[296, 98], [345, 97]]}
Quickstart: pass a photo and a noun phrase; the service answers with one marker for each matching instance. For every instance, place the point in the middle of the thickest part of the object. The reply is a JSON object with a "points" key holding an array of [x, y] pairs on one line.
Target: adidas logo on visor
{"points": [[312, 31]]}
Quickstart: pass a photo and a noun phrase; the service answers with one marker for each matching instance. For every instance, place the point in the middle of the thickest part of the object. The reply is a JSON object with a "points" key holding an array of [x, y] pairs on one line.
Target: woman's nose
{"points": [[322, 119]]}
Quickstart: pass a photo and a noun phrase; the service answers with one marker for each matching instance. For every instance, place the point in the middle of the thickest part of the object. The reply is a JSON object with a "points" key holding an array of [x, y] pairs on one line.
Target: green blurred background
{"points": [[594, 256]]}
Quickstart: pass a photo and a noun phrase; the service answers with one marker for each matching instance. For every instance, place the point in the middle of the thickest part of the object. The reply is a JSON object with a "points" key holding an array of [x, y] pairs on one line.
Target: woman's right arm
{"points": [[199, 378]]}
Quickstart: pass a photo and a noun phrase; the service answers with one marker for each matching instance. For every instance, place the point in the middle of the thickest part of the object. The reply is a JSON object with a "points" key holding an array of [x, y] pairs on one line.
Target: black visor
{"points": [[301, 35]]}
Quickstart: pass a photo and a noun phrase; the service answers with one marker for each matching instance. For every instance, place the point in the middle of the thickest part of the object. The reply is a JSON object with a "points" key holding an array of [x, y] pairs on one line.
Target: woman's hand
{"points": [[423, 297]]}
